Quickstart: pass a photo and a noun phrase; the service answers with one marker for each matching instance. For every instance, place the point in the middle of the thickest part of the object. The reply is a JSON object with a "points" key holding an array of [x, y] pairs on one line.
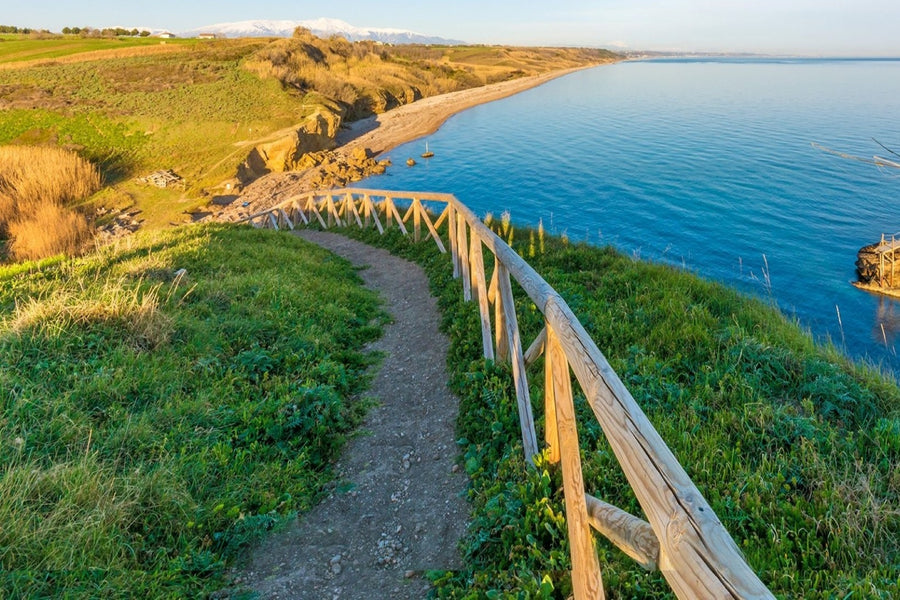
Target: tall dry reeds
{"points": [[38, 185]]}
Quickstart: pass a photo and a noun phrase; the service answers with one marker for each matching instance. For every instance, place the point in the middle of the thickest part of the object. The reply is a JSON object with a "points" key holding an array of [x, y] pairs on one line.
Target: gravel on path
{"points": [[399, 507]]}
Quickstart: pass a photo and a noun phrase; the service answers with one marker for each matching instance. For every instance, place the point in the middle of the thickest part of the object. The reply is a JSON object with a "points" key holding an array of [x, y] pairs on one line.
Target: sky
{"points": [[800, 27]]}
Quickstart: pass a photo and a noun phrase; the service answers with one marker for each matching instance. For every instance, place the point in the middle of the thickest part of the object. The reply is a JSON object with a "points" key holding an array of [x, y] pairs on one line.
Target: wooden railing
{"points": [[682, 537]]}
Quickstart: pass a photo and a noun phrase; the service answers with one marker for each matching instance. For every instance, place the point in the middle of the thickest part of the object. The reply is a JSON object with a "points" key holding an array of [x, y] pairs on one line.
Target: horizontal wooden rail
{"points": [[682, 536]]}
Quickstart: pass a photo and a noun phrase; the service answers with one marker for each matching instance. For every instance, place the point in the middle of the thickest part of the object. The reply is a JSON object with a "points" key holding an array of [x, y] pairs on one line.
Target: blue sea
{"points": [[705, 164]]}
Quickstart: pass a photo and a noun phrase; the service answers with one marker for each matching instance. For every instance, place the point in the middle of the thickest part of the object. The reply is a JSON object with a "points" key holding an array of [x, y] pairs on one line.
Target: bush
{"points": [[49, 229]]}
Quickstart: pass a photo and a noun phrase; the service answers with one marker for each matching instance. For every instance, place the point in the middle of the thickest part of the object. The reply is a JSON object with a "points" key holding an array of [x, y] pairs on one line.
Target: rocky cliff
{"points": [[315, 134], [867, 265]]}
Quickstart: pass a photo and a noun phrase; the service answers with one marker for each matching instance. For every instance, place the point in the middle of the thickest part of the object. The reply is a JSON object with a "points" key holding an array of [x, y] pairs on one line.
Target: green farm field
{"points": [[17, 48]]}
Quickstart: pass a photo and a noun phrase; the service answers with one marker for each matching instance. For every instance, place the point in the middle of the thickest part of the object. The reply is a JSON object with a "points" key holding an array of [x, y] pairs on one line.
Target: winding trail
{"points": [[398, 508]]}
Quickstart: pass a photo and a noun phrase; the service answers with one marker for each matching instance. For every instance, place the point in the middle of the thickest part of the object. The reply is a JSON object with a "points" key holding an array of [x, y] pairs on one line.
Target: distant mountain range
{"points": [[320, 27]]}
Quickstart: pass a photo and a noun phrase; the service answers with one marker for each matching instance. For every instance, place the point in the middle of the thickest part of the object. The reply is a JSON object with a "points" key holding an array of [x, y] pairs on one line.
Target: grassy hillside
{"points": [[796, 450], [153, 421], [134, 106], [132, 115]]}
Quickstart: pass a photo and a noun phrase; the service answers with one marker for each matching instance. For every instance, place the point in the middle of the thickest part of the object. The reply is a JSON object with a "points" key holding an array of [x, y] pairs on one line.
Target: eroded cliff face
{"points": [[375, 101], [315, 134], [868, 264]]}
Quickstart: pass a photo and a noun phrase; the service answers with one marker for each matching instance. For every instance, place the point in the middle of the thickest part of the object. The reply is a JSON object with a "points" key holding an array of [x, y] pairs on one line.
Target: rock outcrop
{"points": [[868, 263], [317, 133], [375, 101], [335, 169]]}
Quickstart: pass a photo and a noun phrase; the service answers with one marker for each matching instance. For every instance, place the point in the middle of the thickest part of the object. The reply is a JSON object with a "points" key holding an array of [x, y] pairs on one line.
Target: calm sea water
{"points": [[704, 164]]}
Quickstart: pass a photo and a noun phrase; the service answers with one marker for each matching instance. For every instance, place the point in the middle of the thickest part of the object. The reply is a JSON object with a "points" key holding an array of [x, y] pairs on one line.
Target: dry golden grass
{"points": [[37, 187], [134, 311]]}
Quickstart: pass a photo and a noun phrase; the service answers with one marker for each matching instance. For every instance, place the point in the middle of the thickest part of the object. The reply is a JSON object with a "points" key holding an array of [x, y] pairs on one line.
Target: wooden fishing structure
{"points": [[681, 537], [876, 264]]}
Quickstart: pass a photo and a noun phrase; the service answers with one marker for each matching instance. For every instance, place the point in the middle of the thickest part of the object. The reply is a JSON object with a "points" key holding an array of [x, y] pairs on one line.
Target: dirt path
{"points": [[398, 508]]}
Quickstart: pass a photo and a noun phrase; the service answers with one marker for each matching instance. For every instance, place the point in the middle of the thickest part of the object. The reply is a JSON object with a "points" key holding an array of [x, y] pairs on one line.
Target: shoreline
{"points": [[384, 132], [875, 289], [407, 123]]}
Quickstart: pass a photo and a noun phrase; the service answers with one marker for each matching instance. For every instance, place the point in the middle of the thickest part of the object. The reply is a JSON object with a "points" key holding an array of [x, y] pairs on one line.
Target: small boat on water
{"points": [[410, 162], [427, 153]]}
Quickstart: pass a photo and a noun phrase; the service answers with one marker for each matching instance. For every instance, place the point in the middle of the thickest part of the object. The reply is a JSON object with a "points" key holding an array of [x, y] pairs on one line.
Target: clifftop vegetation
{"points": [[797, 451]]}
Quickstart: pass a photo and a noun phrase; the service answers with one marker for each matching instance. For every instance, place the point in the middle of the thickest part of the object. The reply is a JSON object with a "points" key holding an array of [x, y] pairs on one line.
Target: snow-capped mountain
{"points": [[320, 27]]}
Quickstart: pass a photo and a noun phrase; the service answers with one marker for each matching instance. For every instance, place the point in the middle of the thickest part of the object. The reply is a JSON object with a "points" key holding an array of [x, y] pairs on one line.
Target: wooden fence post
{"points": [[551, 431], [586, 580], [454, 244], [501, 341], [463, 251], [523, 396], [476, 259], [417, 219], [353, 210], [366, 208]]}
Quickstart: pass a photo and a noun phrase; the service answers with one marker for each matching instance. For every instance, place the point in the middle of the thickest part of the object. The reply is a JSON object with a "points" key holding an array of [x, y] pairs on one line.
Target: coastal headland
{"points": [[217, 116], [377, 134]]}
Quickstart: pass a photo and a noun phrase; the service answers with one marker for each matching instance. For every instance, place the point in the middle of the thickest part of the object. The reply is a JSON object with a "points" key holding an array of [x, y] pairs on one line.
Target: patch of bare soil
{"points": [[398, 507]]}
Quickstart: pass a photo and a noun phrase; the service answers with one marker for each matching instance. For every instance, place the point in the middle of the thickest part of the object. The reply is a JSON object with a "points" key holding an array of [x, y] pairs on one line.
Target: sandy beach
{"points": [[382, 133], [386, 131]]}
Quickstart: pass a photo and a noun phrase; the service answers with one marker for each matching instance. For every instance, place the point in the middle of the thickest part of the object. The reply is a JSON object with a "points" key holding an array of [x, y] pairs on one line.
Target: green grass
{"points": [[797, 450], [111, 144], [160, 100], [151, 425]]}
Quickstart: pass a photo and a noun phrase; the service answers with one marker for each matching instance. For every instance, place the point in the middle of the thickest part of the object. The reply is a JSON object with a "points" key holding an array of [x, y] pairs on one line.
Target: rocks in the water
{"points": [[868, 265], [876, 268]]}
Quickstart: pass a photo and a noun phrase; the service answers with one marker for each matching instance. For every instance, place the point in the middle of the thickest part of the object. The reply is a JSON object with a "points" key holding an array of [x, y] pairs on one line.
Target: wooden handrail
{"points": [[682, 536]]}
